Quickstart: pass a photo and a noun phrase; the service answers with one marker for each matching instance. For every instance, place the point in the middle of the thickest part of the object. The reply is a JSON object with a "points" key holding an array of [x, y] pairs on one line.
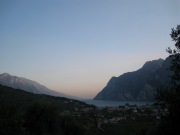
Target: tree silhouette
{"points": [[171, 96], [42, 118]]}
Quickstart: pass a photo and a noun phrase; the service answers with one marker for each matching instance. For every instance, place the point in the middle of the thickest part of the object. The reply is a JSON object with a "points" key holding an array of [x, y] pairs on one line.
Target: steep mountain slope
{"points": [[29, 86], [137, 85]]}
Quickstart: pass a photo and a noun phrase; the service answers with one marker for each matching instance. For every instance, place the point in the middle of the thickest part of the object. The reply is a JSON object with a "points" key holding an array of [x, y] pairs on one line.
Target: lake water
{"points": [[103, 103]]}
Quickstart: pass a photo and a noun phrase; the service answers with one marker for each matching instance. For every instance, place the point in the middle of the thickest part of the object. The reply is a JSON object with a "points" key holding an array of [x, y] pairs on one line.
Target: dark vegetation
{"points": [[24, 113], [171, 96]]}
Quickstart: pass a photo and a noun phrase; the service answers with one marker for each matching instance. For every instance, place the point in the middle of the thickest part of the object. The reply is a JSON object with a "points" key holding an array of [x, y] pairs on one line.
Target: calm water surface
{"points": [[103, 103]]}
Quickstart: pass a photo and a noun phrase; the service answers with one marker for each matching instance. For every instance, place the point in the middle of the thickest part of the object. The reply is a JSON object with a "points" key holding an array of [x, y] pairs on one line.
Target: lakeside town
{"points": [[98, 116]]}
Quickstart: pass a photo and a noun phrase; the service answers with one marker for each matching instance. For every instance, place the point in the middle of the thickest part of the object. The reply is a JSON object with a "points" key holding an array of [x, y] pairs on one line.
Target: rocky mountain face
{"points": [[138, 85], [29, 86]]}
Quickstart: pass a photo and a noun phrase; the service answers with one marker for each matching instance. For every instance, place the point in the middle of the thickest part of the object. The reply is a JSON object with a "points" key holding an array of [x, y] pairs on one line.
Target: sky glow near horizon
{"points": [[75, 47]]}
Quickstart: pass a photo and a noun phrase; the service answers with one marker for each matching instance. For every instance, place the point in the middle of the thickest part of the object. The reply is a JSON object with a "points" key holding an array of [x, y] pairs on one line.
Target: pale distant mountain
{"points": [[138, 85], [29, 86]]}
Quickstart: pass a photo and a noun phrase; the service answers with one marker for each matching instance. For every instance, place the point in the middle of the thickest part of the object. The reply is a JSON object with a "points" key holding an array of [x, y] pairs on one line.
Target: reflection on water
{"points": [[103, 103]]}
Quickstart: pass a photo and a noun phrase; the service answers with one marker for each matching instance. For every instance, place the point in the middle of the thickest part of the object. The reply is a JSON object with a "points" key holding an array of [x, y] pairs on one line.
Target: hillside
{"points": [[25, 113], [19, 97], [138, 85], [29, 86]]}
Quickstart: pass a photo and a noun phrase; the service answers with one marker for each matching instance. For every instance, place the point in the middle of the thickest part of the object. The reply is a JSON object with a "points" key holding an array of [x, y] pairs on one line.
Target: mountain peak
{"points": [[153, 65], [137, 85], [4, 74], [159, 61], [29, 85]]}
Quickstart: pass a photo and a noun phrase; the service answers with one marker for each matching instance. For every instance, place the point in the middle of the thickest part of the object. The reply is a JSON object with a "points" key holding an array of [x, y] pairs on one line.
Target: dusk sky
{"points": [[76, 46]]}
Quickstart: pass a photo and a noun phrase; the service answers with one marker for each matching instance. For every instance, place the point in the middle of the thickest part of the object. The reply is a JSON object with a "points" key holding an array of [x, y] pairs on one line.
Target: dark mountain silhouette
{"points": [[138, 85], [29, 86]]}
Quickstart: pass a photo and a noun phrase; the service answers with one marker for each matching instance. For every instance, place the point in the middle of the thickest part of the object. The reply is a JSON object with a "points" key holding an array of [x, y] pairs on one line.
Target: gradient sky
{"points": [[76, 46]]}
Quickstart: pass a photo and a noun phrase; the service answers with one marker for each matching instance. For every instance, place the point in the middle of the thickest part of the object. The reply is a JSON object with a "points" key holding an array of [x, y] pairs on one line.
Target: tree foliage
{"points": [[23, 113], [171, 96], [42, 118]]}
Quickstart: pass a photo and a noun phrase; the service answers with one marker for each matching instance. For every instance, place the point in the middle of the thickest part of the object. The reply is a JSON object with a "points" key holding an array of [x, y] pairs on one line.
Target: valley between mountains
{"points": [[140, 85]]}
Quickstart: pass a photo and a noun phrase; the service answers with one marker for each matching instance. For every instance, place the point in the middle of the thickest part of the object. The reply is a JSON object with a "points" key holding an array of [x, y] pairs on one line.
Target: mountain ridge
{"points": [[29, 86], [137, 85]]}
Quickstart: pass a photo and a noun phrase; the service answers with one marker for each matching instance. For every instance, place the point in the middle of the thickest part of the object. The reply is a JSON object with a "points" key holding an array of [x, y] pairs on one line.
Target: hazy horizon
{"points": [[75, 47]]}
